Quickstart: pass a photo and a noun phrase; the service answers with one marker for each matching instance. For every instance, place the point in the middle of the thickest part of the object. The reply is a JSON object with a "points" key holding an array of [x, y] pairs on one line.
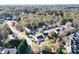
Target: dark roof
{"points": [[45, 34], [40, 38]]}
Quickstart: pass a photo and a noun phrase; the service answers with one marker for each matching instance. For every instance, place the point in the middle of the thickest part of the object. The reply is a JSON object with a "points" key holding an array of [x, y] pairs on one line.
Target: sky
{"points": [[17, 2]]}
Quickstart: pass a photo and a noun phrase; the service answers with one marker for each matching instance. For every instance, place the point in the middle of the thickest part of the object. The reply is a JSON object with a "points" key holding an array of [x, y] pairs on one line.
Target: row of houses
{"points": [[74, 42], [5, 17], [39, 37], [67, 28]]}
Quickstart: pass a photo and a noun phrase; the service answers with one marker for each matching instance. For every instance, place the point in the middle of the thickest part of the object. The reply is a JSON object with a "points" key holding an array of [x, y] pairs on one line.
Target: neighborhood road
{"points": [[18, 33]]}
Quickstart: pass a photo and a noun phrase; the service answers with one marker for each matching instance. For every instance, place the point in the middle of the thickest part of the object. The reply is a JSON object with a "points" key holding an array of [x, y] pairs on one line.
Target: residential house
{"points": [[70, 30], [67, 44], [39, 37], [1, 21], [9, 51], [1, 49], [49, 26], [45, 33], [74, 42], [7, 17], [76, 24], [58, 29], [27, 30], [45, 27], [12, 37], [32, 32]]}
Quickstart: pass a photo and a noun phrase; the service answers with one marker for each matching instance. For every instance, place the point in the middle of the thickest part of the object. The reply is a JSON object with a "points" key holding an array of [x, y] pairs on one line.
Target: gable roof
{"points": [[11, 51]]}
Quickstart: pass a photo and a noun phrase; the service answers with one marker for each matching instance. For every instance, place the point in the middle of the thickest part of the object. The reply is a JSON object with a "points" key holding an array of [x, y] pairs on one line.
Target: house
{"points": [[68, 24], [32, 32], [49, 26], [9, 51], [12, 37], [45, 27], [67, 44], [39, 37], [45, 33], [7, 17], [1, 21], [76, 23], [58, 29], [1, 49], [74, 42], [70, 30], [27, 30], [31, 36]]}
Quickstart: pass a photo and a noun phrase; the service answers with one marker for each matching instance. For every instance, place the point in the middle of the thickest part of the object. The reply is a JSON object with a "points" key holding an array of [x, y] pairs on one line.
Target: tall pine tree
{"points": [[22, 48]]}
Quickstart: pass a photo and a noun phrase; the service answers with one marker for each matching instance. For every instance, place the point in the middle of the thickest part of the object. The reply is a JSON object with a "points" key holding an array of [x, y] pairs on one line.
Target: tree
{"points": [[41, 30], [52, 34], [7, 29], [76, 23], [13, 43], [46, 50], [22, 48], [1, 43], [4, 31], [60, 50], [62, 33]]}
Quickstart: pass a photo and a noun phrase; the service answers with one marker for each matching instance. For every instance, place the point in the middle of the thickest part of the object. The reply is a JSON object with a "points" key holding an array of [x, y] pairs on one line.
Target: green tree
{"points": [[60, 50], [13, 43], [46, 50], [22, 48], [1, 43], [52, 34]]}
